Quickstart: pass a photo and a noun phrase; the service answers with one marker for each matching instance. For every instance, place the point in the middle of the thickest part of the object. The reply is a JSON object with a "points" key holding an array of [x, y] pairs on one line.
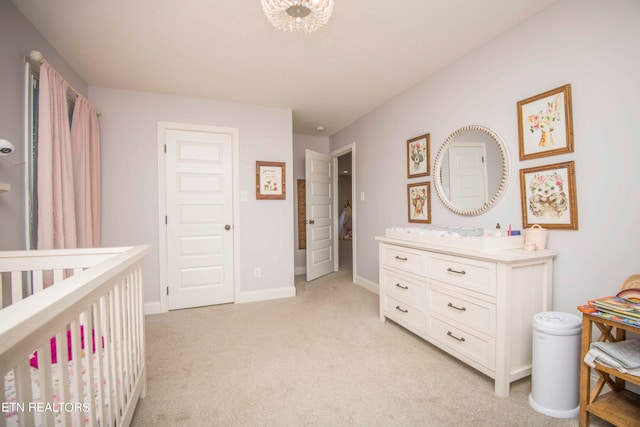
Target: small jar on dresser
{"points": [[476, 305]]}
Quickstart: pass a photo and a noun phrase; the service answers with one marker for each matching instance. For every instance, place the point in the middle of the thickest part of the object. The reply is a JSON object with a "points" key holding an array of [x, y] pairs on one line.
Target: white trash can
{"points": [[555, 367]]}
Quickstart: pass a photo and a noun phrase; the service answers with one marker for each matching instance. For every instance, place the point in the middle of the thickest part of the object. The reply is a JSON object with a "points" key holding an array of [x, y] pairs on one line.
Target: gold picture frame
{"points": [[270, 180], [419, 202], [545, 124], [549, 198], [418, 163]]}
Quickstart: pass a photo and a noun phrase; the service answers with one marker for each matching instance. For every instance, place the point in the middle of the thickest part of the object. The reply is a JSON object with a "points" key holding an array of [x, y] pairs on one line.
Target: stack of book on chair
{"points": [[614, 308]]}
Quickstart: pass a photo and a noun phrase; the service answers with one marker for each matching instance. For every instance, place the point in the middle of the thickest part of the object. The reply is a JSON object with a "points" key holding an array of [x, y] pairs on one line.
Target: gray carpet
{"points": [[322, 358]]}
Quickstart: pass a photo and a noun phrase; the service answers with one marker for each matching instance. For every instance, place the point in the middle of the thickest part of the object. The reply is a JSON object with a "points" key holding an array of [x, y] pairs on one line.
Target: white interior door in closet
{"points": [[198, 165]]}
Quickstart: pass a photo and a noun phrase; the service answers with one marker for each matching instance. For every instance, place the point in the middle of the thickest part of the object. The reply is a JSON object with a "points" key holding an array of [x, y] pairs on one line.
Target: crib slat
{"points": [[76, 367], [127, 329], [126, 335], [24, 394], [105, 358], [98, 316], [141, 326], [111, 335], [16, 286], [135, 316], [58, 276], [45, 381], [63, 374], [118, 356], [37, 278], [88, 361]]}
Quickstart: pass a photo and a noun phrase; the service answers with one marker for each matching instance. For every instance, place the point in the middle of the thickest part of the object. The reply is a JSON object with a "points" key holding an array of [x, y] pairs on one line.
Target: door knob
{"points": [[227, 227], [311, 221]]}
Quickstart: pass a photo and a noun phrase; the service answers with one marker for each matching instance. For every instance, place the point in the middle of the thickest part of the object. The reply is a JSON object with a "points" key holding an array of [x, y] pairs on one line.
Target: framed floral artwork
{"points": [[270, 182], [549, 197], [419, 198], [545, 124], [418, 156]]}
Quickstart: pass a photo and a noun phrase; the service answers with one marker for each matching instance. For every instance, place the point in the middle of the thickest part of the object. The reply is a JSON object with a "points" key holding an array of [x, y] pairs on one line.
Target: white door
{"points": [[468, 178], [199, 221], [319, 207]]}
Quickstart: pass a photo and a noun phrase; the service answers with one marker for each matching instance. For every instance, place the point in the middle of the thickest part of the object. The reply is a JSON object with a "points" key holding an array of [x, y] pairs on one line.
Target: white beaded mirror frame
{"points": [[499, 182]]}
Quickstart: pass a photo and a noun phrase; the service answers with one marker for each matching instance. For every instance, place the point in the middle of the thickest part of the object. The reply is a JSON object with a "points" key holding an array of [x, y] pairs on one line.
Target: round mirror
{"points": [[471, 170]]}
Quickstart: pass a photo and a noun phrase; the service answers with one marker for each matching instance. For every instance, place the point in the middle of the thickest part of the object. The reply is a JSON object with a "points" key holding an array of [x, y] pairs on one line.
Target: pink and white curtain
{"points": [[68, 168]]}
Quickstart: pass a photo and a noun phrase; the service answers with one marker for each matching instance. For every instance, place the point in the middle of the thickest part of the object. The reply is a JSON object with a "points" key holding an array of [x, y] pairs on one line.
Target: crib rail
{"points": [[23, 273], [96, 316]]}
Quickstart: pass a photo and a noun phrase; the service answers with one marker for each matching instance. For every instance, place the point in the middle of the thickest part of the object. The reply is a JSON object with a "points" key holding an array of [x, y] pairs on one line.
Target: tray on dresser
{"points": [[480, 243]]}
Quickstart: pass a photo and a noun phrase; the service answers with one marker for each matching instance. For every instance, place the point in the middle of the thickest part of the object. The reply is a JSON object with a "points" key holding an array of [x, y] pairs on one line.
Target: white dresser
{"points": [[477, 306]]}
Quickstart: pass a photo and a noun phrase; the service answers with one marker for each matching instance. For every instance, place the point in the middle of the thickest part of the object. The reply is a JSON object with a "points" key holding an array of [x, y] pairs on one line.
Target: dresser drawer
{"points": [[403, 313], [403, 288], [479, 276], [474, 346], [405, 259], [476, 314]]}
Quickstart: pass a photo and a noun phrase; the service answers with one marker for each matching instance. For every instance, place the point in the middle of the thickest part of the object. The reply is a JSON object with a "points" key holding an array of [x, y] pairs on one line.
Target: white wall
{"points": [[128, 126], [591, 44], [300, 144]]}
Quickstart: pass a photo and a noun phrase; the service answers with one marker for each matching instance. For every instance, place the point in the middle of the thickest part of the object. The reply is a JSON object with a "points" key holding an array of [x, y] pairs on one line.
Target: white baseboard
{"points": [[152, 307], [252, 296], [267, 294], [368, 285]]}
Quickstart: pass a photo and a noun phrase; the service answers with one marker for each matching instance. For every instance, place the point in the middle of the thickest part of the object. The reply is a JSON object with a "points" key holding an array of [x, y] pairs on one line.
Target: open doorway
{"points": [[345, 213], [345, 210], [341, 251]]}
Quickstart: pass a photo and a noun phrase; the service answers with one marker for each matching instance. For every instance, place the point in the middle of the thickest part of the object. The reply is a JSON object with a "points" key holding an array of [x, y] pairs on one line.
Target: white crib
{"points": [[87, 332]]}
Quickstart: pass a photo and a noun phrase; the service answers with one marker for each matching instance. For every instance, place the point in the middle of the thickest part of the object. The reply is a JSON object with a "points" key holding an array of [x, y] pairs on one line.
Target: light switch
{"points": [[243, 196], [362, 196]]}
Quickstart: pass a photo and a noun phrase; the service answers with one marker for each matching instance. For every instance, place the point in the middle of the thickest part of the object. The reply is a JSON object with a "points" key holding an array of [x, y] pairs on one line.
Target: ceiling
{"points": [[369, 52]]}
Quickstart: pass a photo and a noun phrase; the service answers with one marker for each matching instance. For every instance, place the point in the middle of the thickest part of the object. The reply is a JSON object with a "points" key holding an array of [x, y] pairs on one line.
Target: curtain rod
{"points": [[35, 56]]}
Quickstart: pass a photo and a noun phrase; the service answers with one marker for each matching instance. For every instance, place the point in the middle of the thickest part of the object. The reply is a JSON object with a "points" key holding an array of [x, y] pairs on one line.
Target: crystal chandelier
{"points": [[298, 15]]}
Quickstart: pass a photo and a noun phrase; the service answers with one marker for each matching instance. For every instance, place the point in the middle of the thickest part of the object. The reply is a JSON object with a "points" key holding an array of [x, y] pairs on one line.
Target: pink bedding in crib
{"points": [[54, 358]]}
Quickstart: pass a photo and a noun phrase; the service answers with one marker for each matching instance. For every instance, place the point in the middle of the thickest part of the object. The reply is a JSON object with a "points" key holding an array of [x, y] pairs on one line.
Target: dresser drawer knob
{"points": [[401, 259], [398, 285], [455, 337], [457, 308], [451, 270], [401, 309]]}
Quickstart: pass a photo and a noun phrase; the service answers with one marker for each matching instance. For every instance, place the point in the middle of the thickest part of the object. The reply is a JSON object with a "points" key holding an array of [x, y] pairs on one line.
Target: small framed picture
{"points": [[270, 180], [545, 124], [549, 197], [418, 156], [419, 202]]}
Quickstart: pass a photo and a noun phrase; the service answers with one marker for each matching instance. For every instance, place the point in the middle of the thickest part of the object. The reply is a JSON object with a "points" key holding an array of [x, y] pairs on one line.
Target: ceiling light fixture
{"points": [[298, 15]]}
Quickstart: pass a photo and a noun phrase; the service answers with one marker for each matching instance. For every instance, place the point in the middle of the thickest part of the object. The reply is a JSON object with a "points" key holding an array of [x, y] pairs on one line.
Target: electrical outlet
{"points": [[257, 272]]}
